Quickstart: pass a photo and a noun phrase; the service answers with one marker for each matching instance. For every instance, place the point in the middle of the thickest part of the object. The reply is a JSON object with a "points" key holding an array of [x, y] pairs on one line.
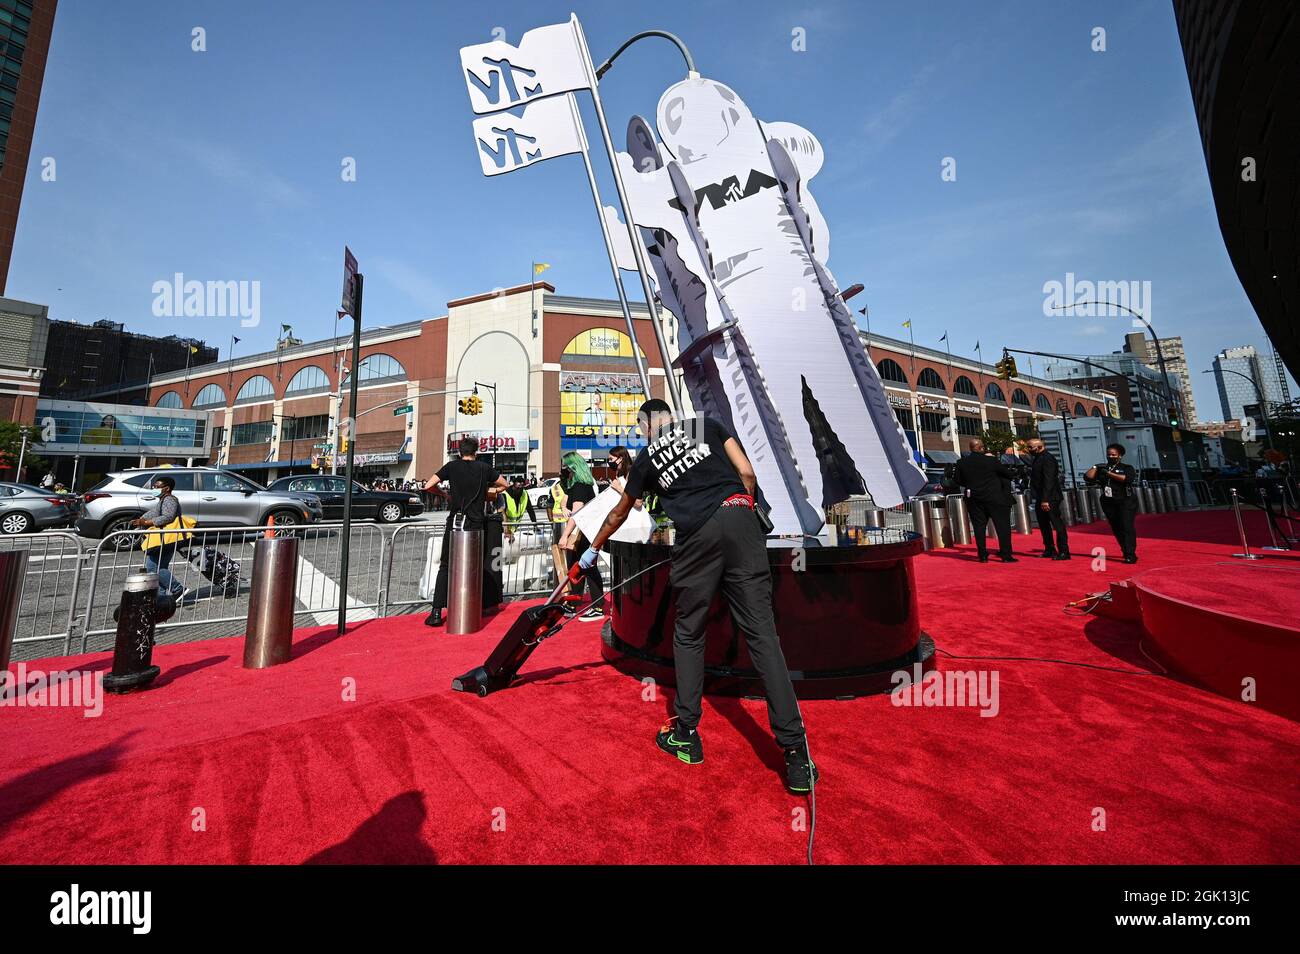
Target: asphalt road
{"points": [[59, 582]]}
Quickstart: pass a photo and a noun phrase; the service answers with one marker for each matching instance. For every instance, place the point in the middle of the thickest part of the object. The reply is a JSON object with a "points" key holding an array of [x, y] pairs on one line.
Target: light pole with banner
{"points": [[353, 284]]}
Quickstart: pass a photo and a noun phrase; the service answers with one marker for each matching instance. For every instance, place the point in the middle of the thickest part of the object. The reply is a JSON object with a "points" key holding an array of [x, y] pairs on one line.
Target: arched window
{"points": [[1080, 410], [170, 399], [1020, 398], [1043, 404], [891, 370], [1096, 412], [310, 380], [378, 368], [994, 393], [255, 389], [929, 380], [964, 385], [210, 396]]}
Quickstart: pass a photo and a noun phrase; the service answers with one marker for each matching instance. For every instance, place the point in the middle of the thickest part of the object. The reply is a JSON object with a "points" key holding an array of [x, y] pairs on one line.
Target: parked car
{"points": [[214, 498], [541, 494], [388, 506], [25, 508]]}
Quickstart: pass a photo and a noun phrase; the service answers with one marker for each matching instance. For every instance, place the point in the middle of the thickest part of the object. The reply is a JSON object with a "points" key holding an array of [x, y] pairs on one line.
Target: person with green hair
{"points": [[579, 490]]}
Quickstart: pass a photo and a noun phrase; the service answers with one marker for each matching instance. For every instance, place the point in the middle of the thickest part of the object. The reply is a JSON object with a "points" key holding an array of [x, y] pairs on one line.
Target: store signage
{"points": [[968, 408], [506, 442], [932, 403], [899, 400]]}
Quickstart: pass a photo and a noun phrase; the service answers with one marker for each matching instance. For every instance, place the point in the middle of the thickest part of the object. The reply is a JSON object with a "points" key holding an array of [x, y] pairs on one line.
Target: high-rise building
{"points": [[25, 27], [1171, 349], [103, 361], [1243, 377]]}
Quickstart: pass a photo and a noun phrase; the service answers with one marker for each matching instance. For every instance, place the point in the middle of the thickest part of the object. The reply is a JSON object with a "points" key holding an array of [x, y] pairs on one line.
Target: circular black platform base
{"points": [[728, 681]]}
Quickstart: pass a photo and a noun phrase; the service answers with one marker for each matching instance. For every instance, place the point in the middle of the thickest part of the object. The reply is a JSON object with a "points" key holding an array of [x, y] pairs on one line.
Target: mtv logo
{"points": [[547, 61], [511, 140]]}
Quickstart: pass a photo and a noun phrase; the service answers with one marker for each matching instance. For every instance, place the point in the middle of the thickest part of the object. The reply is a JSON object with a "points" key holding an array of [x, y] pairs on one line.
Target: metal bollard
{"points": [[1094, 499], [1067, 510], [940, 532], [1020, 513], [1245, 553], [874, 518], [465, 597], [137, 616], [13, 570], [1082, 504], [269, 638], [1145, 503], [958, 519], [1158, 492], [920, 521]]}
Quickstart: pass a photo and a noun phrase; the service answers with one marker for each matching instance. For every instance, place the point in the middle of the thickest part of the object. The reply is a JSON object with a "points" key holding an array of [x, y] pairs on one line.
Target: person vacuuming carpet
{"points": [[706, 485]]}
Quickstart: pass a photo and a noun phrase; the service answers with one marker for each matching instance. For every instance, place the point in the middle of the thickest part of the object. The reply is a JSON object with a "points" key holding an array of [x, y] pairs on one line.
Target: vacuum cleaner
{"points": [[534, 625]]}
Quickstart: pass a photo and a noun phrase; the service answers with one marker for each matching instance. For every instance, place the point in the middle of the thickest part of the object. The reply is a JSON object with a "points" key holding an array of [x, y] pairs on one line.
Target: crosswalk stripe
{"points": [[318, 592]]}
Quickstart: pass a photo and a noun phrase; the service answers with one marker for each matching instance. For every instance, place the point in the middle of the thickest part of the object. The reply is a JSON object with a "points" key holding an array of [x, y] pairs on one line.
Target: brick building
{"points": [[566, 379]]}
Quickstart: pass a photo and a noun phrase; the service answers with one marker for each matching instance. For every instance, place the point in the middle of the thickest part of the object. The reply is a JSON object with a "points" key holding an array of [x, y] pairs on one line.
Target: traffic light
{"points": [[1007, 367], [475, 404], [462, 406], [1173, 417]]}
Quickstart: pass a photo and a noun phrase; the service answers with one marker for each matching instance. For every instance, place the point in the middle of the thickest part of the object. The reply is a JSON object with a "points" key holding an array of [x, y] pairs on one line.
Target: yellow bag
{"points": [[174, 532]]}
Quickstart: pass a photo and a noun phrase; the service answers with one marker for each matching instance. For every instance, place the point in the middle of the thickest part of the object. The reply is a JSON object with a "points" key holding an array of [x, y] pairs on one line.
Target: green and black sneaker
{"points": [[685, 744], [800, 772]]}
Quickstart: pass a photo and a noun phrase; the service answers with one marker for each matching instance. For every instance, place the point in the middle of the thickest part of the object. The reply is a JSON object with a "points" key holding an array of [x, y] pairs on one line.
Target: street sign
{"points": [[323, 447], [404, 409], [349, 306]]}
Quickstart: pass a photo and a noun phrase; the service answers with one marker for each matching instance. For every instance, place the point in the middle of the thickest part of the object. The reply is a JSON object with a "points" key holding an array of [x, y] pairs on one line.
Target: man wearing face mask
{"points": [[1045, 489], [1119, 484]]}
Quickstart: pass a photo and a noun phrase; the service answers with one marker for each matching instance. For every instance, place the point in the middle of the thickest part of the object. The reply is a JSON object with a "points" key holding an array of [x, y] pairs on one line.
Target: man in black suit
{"points": [[1045, 490], [988, 483]]}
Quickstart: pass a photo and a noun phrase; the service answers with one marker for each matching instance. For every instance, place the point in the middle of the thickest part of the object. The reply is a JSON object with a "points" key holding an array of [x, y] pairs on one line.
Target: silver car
{"points": [[214, 498], [24, 508]]}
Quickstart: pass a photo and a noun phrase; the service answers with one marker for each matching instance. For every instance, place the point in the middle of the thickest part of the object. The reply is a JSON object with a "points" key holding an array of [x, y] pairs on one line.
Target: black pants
{"points": [[1122, 517], [492, 587], [729, 553], [1049, 521], [981, 512], [595, 583]]}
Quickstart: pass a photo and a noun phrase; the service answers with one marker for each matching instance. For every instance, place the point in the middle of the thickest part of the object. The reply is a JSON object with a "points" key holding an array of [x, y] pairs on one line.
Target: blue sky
{"points": [[225, 164]]}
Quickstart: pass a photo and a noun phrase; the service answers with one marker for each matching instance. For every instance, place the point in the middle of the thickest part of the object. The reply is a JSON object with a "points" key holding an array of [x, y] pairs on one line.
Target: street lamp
{"points": [[1164, 380], [1263, 405]]}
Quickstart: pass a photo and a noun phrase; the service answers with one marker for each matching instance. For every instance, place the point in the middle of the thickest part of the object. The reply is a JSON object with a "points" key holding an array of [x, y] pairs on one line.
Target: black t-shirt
{"points": [[1117, 491], [469, 480], [686, 464], [579, 493]]}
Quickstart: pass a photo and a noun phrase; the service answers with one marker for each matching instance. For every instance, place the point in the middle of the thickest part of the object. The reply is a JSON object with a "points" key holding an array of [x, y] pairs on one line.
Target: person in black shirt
{"points": [[579, 488], [471, 484], [989, 483], [1045, 491], [1119, 484], [706, 485]]}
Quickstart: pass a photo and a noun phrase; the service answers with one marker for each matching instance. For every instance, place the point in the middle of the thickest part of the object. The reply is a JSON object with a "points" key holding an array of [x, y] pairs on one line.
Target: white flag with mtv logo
{"points": [[520, 137], [547, 61]]}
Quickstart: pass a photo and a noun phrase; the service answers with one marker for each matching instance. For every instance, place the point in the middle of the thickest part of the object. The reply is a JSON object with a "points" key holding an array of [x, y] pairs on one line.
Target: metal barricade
{"points": [[47, 620], [13, 567], [214, 565]]}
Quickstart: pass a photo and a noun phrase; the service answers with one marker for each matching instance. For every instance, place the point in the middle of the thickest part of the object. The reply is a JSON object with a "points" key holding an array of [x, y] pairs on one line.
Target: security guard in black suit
{"points": [[1119, 486], [988, 483], [1045, 490]]}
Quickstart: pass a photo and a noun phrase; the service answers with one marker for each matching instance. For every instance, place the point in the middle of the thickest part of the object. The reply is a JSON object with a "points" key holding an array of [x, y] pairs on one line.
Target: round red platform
{"points": [[1231, 627]]}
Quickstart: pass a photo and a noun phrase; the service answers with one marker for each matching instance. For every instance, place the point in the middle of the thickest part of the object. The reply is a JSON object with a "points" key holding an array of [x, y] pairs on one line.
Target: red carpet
{"points": [[563, 768]]}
